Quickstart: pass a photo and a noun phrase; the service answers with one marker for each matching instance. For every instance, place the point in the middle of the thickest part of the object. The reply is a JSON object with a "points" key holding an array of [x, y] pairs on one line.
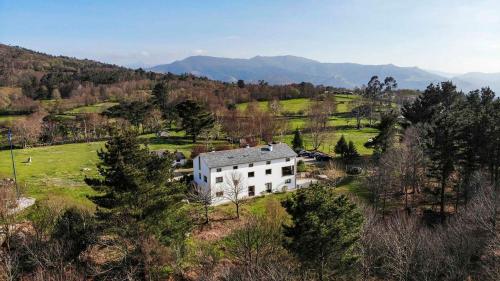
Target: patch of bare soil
{"points": [[220, 226]]}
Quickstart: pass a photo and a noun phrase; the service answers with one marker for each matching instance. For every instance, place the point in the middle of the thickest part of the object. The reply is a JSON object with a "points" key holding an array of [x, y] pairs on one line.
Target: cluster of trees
{"points": [[403, 247], [460, 135], [439, 158], [347, 151], [42, 128], [253, 124], [136, 232]]}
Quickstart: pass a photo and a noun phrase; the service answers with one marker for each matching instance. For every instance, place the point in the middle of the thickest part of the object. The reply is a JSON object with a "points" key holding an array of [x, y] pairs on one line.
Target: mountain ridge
{"points": [[287, 69]]}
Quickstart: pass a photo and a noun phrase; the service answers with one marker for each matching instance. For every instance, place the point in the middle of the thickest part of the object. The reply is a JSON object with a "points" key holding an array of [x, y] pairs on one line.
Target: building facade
{"points": [[257, 170]]}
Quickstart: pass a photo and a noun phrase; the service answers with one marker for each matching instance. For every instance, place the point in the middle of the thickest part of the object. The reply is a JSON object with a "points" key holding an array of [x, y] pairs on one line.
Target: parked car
{"points": [[354, 170], [323, 157], [303, 153]]}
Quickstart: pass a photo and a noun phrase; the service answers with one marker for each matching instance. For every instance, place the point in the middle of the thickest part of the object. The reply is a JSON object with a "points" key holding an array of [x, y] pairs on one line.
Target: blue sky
{"points": [[449, 35]]}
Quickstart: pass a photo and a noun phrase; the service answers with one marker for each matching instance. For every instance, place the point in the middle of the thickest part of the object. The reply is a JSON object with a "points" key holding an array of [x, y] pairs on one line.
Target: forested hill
{"points": [[20, 66]]}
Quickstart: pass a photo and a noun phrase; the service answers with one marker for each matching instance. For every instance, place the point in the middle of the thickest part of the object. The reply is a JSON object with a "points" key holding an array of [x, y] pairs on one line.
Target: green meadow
{"points": [[56, 173], [303, 104]]}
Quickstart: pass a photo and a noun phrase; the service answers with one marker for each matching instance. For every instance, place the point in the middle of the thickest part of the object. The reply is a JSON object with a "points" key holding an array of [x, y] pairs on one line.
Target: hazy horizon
{"points": [[446, 36]]}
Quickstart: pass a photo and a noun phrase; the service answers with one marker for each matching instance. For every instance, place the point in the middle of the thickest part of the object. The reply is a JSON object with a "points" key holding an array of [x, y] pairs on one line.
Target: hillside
{"points": [[281, 70], [18, 64]]}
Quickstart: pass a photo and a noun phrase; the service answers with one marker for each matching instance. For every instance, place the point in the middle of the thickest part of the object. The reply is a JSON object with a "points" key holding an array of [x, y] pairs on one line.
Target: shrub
{"points": [[301, 166]]}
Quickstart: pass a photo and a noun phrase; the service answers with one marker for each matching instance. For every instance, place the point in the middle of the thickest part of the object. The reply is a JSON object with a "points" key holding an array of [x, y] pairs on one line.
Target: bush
{"points": [[301, 166]]}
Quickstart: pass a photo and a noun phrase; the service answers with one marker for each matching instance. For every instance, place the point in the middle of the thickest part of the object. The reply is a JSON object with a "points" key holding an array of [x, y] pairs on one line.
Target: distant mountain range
{"points": [[292, 69]]}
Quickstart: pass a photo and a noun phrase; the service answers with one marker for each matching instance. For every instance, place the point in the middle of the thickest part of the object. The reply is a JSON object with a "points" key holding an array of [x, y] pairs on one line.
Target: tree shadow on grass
{"points": [[174, 140]]}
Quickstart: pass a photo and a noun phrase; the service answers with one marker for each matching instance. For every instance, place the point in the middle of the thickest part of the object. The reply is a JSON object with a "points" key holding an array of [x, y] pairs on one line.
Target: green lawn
{"points": [[257, 205], [359, 137], [95, 108]]}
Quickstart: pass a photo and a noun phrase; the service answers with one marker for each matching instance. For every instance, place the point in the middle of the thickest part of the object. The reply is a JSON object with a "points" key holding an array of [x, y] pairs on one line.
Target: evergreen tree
{"points": [[351, 154], [135, 112], [297, 142], [341, 147], [422, 110], [161, 94], [388, 131], [194, 118], [325, 229], [442, 140], [136, 191]]}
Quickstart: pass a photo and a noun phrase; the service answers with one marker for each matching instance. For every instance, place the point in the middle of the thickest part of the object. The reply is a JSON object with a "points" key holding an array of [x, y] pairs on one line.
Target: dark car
{"points": [[303, 153], [323, 157]]}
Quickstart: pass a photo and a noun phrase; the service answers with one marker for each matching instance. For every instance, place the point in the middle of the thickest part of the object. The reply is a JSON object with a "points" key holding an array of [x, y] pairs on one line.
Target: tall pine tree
{"points": [[325, 229], [194, 118], [136, 190], [297, 142]]}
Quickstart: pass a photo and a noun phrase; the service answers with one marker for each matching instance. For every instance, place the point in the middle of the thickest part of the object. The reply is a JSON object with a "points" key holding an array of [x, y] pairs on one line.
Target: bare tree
{"points": [[317, 122], [233, 189], [204, 197], [28, 130], [274, 106], [153, 121], [359, 109]]}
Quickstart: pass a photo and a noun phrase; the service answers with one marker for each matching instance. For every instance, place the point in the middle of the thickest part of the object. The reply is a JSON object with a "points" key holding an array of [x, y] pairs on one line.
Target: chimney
{"points": [[270, 147]]}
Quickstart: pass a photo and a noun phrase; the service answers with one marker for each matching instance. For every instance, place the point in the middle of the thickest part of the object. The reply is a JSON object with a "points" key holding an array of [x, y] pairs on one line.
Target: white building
{"points": [[261, 169]]}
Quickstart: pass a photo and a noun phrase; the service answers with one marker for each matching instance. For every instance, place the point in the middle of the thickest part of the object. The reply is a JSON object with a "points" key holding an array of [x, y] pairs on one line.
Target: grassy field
{"points": [[302, 104], [11, 118], [340, 122], [95, 108], [359, 137], [57, 172]]}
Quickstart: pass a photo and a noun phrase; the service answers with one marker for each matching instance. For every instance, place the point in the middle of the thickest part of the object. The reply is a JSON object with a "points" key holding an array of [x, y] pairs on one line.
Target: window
{"points": [[287, 171], [251, 174], [288, 181], [269, 171], [205, 178], [287, 159], [268, 162], [250, 165], [219, 169], [219, 193], [218, 179], [251, 190], [235, 167], [269, 187], [199, 176]]}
